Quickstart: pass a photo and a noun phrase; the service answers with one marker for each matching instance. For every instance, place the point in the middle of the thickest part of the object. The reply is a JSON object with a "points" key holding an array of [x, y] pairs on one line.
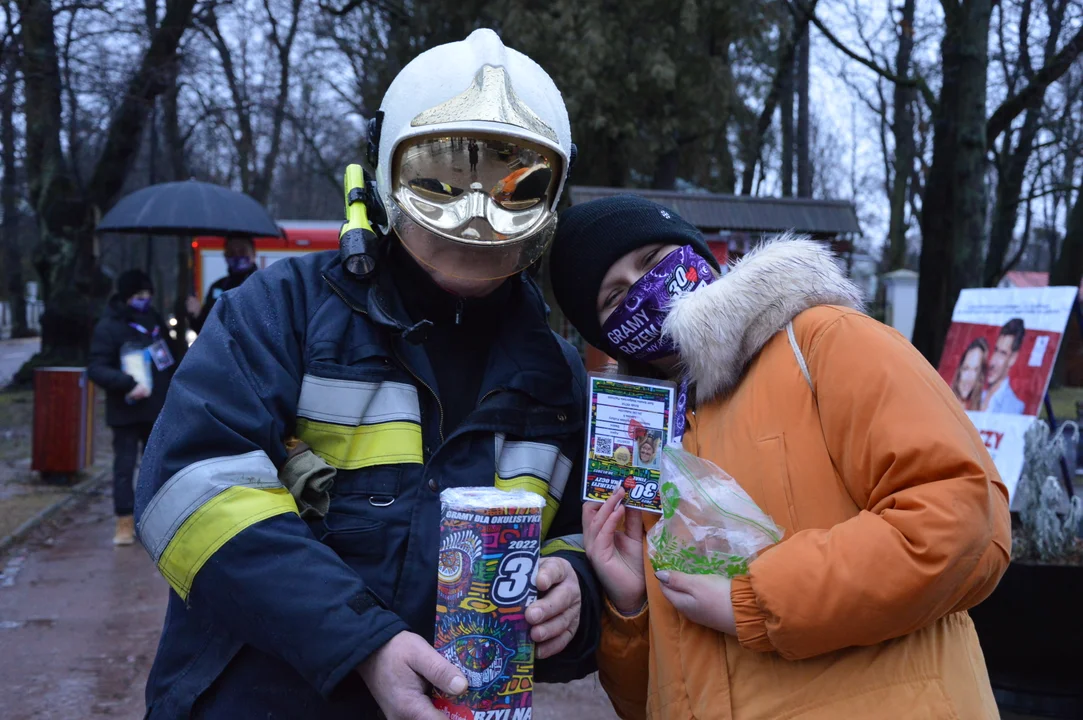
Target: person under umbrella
{"points": [[241, 260], [130, 361]]}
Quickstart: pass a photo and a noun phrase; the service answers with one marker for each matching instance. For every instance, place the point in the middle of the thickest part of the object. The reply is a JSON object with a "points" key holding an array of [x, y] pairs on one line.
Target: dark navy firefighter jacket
{"points": [[293, 606]]}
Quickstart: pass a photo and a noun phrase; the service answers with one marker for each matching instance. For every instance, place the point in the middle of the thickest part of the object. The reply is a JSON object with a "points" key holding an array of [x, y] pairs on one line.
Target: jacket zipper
{"points": [[439, 405], [402, 361]]}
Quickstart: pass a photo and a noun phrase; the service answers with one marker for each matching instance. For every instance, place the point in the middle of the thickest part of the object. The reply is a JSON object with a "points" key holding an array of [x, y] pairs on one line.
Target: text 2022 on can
{"points": [[489, 548]]}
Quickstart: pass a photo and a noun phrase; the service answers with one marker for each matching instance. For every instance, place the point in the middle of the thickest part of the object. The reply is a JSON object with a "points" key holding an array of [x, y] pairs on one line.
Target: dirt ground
{"points": [[79, 623]]}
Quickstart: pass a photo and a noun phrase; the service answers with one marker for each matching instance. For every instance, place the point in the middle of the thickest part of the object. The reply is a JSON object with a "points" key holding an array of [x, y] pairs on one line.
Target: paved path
{"points": [[79, 623], [13, 353]]}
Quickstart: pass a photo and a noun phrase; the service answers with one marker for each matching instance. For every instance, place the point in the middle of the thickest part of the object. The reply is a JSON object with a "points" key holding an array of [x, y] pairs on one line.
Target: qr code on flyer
{"points": [[603, 446]]}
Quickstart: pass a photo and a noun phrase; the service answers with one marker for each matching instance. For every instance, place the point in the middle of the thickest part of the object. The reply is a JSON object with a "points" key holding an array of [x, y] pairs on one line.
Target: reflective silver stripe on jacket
{"points": [[545, 462], [351, 402], [190, 488]]}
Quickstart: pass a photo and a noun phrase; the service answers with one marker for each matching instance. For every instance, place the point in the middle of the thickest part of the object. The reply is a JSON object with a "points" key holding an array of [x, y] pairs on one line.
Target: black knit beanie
{"points": [[132, 281], [591, 237]]}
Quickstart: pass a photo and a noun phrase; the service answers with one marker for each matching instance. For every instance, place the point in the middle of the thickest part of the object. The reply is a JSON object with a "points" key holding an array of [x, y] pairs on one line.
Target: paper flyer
{"points": [[630, 421]]}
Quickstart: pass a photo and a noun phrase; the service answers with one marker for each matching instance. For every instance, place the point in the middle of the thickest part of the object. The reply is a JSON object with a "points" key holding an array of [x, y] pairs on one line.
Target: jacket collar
{"points": [[719, 329], [526, 356]]}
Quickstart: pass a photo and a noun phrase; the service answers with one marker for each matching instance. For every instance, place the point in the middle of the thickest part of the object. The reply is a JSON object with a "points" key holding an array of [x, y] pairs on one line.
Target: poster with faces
{"points": [[998, 358]]}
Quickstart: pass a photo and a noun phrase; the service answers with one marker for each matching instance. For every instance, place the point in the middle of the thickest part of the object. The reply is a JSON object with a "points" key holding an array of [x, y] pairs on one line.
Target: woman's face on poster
{"points": [[970, 370], [646, 450]]}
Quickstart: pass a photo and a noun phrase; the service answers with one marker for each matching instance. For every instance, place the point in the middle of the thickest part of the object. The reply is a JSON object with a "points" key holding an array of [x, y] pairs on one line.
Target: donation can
{"points": [[490, 541]]}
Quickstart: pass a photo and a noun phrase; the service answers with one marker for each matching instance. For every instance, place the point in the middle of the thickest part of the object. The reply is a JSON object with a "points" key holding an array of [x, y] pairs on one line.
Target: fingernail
{"points": [[663, 576], [458, 686]]}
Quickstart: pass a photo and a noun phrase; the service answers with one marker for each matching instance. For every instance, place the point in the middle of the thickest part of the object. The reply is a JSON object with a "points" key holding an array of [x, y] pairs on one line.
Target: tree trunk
{"points": [[665, 172], [786, 52], [786, 124], [1068, 271], [903, 132], [72, 283], [804, 168], [178, 163], [13, 259], [1010, 177], [953, 216], [284, 46], [727, 175], [174, 140]]}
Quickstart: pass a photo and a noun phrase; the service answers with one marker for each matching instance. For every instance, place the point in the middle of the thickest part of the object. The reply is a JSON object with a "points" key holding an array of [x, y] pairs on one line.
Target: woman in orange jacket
{"points": [[896, 520]]}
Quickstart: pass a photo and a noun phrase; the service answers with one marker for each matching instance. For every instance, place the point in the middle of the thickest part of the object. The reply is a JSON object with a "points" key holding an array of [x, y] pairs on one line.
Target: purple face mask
{"points": [[140, 304], [634, 329], [240, 264]]}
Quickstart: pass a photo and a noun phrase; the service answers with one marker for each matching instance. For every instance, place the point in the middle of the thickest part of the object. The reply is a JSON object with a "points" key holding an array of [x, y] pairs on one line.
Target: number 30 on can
{"points": [[514, 584]]}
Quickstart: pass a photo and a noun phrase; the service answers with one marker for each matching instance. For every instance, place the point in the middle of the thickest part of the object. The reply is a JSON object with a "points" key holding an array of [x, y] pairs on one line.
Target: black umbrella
{"points": [[189, 208]]}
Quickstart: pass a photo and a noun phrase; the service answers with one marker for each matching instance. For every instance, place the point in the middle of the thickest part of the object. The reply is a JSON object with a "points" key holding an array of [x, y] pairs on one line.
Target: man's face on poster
{"points": [[1002, 360]]}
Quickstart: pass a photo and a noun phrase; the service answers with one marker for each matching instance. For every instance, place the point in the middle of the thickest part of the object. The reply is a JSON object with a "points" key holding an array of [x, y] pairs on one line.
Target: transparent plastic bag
{"points": [[709, 525]]}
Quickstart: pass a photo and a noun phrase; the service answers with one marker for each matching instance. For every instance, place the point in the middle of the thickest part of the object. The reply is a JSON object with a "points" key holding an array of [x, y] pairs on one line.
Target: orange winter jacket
{"points": [[896, 520]]}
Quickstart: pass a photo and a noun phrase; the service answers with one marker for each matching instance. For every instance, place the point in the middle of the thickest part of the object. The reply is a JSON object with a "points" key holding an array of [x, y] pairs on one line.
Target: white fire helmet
{"points": [[473, 154]]}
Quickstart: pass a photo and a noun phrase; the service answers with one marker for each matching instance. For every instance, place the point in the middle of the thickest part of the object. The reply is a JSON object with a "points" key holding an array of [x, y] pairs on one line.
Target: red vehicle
{"points": [[299, 237]]}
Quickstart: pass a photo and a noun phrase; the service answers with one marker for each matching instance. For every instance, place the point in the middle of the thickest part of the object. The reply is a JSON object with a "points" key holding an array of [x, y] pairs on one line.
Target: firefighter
{"points": [[435, 370]]}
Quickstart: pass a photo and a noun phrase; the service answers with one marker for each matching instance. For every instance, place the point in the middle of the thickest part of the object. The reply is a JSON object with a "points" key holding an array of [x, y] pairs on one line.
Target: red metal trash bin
{"points": [[63, 421]]}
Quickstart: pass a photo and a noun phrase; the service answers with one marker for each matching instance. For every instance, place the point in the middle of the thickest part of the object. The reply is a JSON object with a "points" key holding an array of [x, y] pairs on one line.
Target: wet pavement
{"points": [[79, 620], [79, 623]]}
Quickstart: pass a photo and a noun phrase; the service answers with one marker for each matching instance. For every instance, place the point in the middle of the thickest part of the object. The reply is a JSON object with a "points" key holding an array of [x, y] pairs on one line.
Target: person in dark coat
{"points": [[241, 260], [130, 360], [473, 156]]}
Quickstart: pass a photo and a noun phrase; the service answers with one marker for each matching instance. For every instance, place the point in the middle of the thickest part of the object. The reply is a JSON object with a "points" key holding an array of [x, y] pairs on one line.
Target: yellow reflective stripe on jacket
{"points": [[351, 448], [203, 506], [534, 485], [353, 424], [213, 525], [537, 467], [572, 543]]}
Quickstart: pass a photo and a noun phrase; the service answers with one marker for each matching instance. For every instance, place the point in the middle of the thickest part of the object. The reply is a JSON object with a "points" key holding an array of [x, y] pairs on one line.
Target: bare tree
{"points": [[257, 167], [902, 130], [786, 129], [804, 171], [9, 190], [1014, 154], [781, 86], [65, 260]]}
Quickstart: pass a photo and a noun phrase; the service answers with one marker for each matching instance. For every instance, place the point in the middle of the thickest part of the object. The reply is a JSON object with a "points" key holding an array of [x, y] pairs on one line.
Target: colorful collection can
{"points": [[489, 549]]}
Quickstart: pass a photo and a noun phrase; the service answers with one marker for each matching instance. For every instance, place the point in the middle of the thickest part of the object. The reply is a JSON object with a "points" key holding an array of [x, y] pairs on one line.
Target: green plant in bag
{"points": [[709, 526]]}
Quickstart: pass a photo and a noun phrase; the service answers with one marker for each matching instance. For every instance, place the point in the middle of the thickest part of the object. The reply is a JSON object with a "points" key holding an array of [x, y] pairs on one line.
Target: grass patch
{"points": [[16, 510], [1064, 400], [16, 424]]}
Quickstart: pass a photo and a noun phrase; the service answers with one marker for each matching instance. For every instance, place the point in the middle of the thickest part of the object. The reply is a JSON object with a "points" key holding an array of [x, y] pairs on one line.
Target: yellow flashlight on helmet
{"points": [[358, 243]]}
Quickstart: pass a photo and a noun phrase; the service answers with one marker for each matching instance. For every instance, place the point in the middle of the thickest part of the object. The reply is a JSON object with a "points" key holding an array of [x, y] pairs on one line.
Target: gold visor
{"points": [[491, 197]]}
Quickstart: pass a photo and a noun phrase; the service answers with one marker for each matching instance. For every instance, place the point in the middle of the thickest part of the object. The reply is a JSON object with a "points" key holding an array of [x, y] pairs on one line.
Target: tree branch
{"points": [[1002, 118], [149, 81], [917, 81]]}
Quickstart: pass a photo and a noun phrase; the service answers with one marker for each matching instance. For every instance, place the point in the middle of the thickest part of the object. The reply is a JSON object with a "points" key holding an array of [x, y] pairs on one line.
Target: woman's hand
{"points": [[617, 555], [139, 392], [703, 599]]}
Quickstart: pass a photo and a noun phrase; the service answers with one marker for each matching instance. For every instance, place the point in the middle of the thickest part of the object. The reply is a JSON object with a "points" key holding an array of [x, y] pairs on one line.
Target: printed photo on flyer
{"points": [[630, 421]]}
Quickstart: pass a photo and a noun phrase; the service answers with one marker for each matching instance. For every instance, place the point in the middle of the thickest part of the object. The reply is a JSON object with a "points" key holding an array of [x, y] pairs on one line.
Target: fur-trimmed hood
{"points": [[719, 329]]}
